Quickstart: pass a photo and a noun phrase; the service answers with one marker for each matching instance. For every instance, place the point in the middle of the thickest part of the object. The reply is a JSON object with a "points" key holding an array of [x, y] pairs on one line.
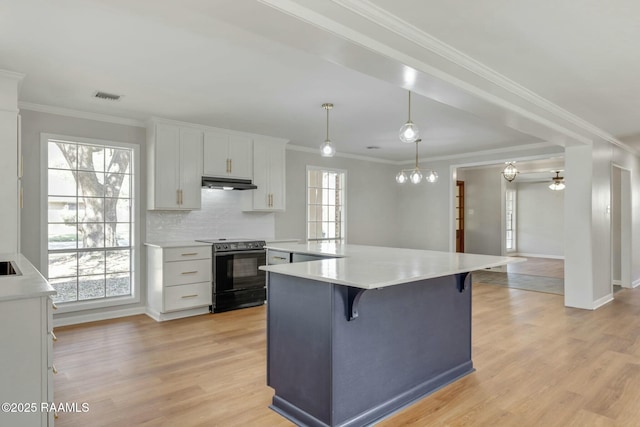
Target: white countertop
{"points": [[181, 244], [29, 284], [371, 267]]}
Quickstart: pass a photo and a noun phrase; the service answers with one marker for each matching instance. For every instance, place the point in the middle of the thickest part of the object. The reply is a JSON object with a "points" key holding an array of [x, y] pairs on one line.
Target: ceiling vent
{"points": [[107, 96]]}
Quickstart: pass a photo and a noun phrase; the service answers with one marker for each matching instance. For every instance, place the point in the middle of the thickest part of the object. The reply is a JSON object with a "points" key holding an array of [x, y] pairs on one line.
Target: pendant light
{"points": [[409, 132], [415, 175], [510, 172], [326, 148], [557, 182]]}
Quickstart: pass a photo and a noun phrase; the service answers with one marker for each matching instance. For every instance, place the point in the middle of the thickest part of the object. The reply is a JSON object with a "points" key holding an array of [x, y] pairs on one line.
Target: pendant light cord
{"points": [[327, 123], [417, 153], [409, 106]]}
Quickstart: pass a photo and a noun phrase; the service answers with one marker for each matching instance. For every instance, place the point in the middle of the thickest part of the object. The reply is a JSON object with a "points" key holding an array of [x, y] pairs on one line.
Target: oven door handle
{"points": [[258, 251]]}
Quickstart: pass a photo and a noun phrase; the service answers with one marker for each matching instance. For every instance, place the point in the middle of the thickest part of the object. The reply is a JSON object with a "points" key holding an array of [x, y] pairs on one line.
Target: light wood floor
{"points": [[546, 267], [538, 364]]}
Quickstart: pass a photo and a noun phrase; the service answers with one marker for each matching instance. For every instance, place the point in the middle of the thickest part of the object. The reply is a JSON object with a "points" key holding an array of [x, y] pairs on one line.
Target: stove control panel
{"points": [[239, 246]]}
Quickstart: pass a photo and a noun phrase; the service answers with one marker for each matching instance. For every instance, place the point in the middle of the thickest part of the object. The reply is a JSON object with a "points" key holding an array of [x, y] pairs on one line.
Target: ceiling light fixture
{"points": [[415, 175], [409, 132], [326, 148], [510, 171], [557, 182]]}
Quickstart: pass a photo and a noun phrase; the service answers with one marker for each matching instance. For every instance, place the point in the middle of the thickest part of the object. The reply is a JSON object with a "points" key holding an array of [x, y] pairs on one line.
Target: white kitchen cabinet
{"points": [[174, 166], [227, 155], [269, 175], [179, 281], [27, 360]]}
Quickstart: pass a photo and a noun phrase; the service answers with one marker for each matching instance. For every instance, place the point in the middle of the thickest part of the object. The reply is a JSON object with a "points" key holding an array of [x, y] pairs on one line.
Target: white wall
{"points": [[221, 216], [372, 198], [540, 220]]}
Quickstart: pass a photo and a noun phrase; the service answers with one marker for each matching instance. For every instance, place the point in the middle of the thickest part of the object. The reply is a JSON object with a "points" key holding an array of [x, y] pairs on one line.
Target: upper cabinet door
{"points": [[166, 164], [240, 154], [277, 177], [227, 155], [216, 154], [190, 168]]}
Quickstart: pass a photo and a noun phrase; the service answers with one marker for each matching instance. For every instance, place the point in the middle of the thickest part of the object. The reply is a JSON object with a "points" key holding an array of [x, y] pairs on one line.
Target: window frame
{"points": [[343, 206], [136, 225], [514, 193]]}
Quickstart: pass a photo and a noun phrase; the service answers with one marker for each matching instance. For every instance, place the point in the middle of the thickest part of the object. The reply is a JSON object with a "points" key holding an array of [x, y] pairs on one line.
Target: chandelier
{"points": [[510, 171], [415, 175], [557, 182]]}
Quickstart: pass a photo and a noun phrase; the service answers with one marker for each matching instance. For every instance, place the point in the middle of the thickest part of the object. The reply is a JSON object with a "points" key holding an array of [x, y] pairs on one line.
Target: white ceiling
{"points": [[199, 61]]}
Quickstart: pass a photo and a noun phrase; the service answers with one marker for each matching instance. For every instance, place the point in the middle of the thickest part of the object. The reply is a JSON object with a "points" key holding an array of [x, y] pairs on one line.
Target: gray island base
{"points": [[338, 355]]}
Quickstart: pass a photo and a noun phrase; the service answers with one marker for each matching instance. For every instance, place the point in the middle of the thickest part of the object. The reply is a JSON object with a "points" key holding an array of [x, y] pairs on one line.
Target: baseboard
{"points": [[82, 317], [530, 255], [616, 282], [602, 301], [161, 317], [635, 283]]}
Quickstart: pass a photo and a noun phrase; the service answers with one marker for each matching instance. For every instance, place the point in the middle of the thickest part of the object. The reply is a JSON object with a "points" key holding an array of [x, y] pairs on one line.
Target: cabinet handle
{"points": [[189, 272], [181, 197], [53, 369], [190, 254], [53, 305], [177, 197], [21, 196], [230, 165], [55, 415], [279, 257], [54, 337], [189, 296]]}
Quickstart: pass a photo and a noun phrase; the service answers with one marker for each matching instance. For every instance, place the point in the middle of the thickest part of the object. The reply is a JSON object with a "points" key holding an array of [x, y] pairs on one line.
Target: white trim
{"points": [[635, 283], [602, 301], [94, 317], [616, 282], [345, 155], [531, 255], [137, 243], [505, 150], [161, 317], [68, 112]]}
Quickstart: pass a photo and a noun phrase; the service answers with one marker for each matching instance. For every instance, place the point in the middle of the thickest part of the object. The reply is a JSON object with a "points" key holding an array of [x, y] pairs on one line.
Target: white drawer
{"points": [[187, 296], [278, 257], [187, 253], [180, 273]]}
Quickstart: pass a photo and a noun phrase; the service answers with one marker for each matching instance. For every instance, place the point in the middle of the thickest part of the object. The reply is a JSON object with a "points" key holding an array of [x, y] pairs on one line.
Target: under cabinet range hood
{"points": [[227, 183]]}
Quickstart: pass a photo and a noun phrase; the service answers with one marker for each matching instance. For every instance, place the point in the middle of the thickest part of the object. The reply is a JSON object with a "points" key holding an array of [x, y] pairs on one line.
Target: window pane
{"points": [[91, 287], [117, 161], [91, 158], [61, 183], [117, 234], [63, 265], [67, 289], [314, 196], [311, 231], [91, 209], [123, 210], [91, 184], [118, 284], [61, 155], [91, 263], [62, 209], [118, 261], [63, 236], [311, 213], [117, 185], [91, 235]]}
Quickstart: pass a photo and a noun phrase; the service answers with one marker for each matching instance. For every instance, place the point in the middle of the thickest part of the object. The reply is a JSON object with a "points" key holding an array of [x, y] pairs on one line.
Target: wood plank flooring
{"points": [[538, 364], [546, 267]]}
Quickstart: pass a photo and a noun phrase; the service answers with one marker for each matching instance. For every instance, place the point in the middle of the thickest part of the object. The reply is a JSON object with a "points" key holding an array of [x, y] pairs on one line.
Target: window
{"points": [[325, 204], [510, 219], [90, 239]]}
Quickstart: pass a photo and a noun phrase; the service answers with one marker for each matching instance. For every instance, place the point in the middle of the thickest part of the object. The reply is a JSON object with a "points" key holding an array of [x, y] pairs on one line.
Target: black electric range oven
{"points": [[237, 282]]}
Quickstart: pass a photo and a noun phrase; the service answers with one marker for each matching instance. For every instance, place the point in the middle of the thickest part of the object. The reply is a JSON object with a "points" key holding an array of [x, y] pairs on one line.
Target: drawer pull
{"points": [[54, 337], [55, 415], [189, 272], [53, 368], [279, 257], [190, 254], [53, 305], [189, 296]]}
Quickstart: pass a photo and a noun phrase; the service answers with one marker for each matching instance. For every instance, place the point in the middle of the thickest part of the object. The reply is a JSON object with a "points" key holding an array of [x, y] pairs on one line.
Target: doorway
{"points": [[620, 212], [459, 216]]}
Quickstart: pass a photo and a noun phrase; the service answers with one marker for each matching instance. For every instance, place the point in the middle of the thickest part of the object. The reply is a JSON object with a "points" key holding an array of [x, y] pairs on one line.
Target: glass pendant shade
{"points": [[557, 183], [432, 177], [416, 176], [409, 132], [401, 177], [327, 149], [510, 172]]}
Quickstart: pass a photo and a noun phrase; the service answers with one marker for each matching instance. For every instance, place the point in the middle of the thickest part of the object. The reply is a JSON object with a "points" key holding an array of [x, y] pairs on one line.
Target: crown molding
{"points": [[300, 148], [68, 112], [379, 16]]}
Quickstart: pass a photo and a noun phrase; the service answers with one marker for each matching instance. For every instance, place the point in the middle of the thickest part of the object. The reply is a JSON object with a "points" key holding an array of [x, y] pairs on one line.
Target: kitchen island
{"points": [[365, 331]]}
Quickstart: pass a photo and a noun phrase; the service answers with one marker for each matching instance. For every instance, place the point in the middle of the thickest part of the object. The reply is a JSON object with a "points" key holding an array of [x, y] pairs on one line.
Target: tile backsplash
{"points": [[221, 216]]}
